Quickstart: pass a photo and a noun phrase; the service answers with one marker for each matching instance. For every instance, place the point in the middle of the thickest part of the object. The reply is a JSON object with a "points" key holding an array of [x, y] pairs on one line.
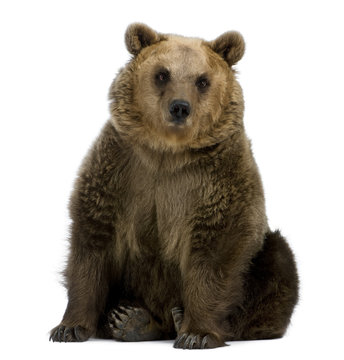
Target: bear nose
{"points": [[180, 110]]}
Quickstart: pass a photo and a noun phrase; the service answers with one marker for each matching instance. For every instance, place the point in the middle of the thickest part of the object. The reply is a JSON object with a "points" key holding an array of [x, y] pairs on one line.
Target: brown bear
{"points": [[169, 236]]}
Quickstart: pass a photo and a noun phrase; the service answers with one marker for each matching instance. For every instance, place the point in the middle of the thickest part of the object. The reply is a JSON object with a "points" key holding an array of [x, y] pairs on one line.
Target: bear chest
{"points": [[174, 201], [154, 220]]}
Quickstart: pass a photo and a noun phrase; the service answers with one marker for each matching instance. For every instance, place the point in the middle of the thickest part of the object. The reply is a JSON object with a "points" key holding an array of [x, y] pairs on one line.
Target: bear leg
{"points": [[189, 340], [271, 292]]}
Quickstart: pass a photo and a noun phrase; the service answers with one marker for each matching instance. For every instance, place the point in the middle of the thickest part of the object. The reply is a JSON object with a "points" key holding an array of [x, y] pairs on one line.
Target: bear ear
{"points": [[139, 36], [230, 46]]}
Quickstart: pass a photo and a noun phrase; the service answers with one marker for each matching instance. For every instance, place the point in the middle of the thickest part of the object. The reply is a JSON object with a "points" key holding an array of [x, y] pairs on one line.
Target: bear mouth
{"points": [[176, 123], [177, 126]]}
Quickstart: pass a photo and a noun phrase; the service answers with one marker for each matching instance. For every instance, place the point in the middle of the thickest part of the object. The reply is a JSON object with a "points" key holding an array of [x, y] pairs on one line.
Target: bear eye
{"points": [[162, 77], [202, 83]]}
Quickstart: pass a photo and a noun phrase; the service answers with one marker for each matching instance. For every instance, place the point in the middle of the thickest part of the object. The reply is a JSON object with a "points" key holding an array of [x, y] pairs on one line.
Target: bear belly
{"points": [[149, 278]]}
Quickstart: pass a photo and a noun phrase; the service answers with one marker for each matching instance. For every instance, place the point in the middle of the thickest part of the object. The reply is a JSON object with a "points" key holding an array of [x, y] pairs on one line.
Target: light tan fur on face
{"points": [[185, 61], [210, 119]]}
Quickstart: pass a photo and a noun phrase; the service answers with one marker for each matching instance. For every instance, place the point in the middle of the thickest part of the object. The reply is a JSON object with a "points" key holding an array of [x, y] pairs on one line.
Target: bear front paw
{"points": [[62, 333], [195, 341]]}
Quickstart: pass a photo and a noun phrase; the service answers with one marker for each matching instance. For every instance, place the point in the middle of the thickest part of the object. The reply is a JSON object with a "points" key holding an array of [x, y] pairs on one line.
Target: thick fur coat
{"points": [[169, 237]]}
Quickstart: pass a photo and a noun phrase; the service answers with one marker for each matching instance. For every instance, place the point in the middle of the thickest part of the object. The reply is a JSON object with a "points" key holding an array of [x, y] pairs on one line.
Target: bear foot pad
{"points": [[129, 323]]}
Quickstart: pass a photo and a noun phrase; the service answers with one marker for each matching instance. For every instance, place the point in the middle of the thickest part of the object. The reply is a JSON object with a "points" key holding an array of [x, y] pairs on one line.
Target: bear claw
{"points": [[128, 323], [69, 334], [191, 341], [177, 315]]}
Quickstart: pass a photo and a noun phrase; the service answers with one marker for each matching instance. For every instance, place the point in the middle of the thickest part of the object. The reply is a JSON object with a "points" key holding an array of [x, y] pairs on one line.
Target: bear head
{"points": [[177, 93]]}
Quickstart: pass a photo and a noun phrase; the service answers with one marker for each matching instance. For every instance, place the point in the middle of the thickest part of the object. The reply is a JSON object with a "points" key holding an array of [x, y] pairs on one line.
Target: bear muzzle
{"points": [[179, 110]]}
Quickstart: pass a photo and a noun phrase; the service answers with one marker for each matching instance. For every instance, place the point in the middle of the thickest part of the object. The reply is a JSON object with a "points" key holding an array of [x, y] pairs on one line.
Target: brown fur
{"points": [[173, 216]]}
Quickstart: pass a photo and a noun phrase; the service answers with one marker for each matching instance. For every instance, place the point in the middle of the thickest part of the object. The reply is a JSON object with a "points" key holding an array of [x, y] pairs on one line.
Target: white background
{"points": [[57, 61]]}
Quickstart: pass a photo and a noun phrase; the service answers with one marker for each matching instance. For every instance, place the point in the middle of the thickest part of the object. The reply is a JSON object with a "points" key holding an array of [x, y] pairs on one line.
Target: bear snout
{"points": [[180, 110]]}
